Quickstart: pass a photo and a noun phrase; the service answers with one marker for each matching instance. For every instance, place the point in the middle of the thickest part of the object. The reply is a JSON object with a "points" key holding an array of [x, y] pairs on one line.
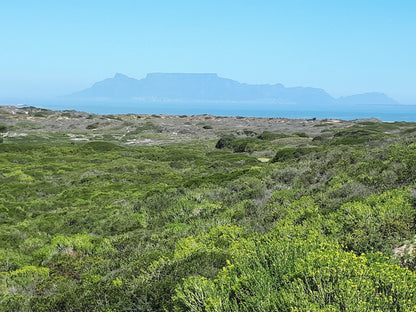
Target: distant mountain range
{"points": [[207, 88]]}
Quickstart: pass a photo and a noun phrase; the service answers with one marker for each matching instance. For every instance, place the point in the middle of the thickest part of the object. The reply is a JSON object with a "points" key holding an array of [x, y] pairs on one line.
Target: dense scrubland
{"points": [[158, 213]]}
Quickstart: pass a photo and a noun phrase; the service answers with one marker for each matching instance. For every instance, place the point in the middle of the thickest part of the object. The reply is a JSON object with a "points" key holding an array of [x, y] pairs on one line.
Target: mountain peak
{"points": [[120, 76], [181, 76]]}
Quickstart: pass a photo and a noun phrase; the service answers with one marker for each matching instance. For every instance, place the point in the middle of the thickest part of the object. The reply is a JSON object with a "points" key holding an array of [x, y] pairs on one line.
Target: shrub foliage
{"points": [[204, 227]]}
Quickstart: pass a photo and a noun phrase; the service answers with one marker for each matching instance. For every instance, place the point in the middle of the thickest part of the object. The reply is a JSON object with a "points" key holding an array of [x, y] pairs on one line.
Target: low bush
{"points": [[294, 153]]}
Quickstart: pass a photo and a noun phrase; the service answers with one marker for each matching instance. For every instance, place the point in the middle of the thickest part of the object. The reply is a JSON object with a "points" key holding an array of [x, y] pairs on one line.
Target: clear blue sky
{"points": [[57, 47]]}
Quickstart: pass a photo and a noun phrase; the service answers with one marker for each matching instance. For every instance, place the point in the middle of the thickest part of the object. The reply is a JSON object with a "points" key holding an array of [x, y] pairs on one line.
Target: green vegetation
{"points": [[327, 225], [146, 126], [267, 135], [92, 126]]}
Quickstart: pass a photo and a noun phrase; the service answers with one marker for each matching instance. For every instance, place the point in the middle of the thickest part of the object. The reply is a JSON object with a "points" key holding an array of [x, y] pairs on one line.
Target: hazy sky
{"points": [[57, 47]]}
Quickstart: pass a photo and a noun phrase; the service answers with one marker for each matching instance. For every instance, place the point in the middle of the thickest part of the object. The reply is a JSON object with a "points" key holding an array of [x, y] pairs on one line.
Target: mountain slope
{"points": [[370, 98], [208, 87]]}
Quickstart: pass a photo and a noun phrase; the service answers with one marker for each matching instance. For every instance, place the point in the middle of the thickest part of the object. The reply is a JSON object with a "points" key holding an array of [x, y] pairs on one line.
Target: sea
{"points": [[388, 113]]}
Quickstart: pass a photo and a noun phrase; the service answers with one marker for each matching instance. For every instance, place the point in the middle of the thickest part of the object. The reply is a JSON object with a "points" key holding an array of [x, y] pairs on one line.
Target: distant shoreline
{"points": [[387, 113]]}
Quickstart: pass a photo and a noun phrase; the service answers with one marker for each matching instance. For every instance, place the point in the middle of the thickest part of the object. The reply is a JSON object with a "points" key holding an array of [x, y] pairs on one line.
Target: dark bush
{"points": [[40, 114], [240, 145], [101, 146], [270, 136], [292, 153], [356, 135], [301, 134], [92, 126], [225, 141]]}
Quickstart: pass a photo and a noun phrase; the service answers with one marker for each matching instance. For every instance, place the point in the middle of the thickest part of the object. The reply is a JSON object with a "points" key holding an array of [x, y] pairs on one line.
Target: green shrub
{"points": [[300, 275], [301, 134], [356, 135], [292, 153], [378, 223], [270, 136], [92, 126], [239, 145], [40, 114], [101, 146], [225, 141], [143, 127]]}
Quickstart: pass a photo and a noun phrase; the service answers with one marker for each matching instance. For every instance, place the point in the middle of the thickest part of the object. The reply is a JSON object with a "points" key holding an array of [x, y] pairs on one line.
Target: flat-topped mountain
{"points": [[209, 87]]}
